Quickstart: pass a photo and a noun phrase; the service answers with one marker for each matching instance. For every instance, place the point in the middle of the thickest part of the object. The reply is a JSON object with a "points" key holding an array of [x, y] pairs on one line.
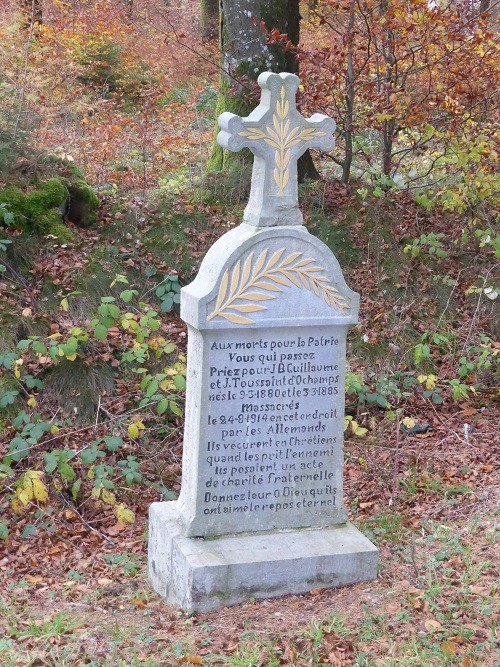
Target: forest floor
{"points": [[75, 589], [81, 597]]}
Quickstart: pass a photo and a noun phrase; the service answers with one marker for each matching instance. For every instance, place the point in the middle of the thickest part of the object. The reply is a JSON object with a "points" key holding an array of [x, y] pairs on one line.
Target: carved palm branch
{"points": [[238, 284], [282, 139]]}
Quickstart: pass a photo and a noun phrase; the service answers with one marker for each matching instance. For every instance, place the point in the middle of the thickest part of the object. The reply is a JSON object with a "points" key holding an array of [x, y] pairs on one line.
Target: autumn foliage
{"points": [[411, 84]]}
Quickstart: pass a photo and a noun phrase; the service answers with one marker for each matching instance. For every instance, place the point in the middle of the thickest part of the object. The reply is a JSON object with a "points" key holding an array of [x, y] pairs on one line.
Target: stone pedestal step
{"points": [[204, 574]]}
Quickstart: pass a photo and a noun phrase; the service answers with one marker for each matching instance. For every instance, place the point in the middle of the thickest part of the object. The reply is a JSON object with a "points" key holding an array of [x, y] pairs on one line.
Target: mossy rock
{"points": [[82, 204], [42, 208], [51, 224], [49, 194], [15, 202]]}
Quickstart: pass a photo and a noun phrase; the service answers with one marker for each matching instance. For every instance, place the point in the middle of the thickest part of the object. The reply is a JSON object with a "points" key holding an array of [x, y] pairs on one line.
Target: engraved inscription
{"points": [[272, 431]]}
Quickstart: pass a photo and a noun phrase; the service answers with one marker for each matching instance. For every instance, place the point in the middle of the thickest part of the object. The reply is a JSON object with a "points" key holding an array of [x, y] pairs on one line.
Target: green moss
{"points": [[221, 159], [49, 194], [41, 210], [83, 204], [50, 223], [15, 201]]}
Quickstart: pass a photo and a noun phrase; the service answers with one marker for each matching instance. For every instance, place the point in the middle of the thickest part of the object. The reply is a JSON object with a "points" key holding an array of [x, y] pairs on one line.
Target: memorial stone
{"points": [[261, 509]]}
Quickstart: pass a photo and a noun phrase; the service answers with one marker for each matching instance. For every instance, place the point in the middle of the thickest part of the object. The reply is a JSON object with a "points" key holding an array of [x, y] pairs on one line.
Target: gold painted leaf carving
{"points": [[282, 139], [256, 296], [266, 275], [236, 277], [236, 319], [260, 262], [222, 289], [248, 307]]}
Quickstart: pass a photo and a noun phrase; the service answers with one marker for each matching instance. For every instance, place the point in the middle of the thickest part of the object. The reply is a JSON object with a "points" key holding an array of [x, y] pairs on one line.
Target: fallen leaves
{"points": [[431, 625], [449, 648]]}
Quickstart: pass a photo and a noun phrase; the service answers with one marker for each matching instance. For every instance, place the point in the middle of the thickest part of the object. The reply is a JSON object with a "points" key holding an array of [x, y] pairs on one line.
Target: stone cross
{"points": [[277, 134]]}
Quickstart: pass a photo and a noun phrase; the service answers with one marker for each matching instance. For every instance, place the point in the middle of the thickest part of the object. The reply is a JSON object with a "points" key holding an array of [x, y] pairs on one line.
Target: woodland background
{"points": [[111, 191]]}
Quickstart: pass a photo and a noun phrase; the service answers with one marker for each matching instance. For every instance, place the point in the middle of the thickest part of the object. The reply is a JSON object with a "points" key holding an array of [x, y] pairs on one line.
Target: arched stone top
{"points": [[272, 277]]}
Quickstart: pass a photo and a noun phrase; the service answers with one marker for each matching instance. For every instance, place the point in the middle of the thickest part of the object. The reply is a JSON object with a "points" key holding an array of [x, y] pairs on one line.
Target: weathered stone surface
{"points": [[201, 575], [261, 509]]}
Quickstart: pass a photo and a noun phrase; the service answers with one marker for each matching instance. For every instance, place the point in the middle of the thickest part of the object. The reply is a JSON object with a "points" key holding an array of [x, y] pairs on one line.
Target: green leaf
{"points": [[174, 408], [7, 359], [162, 406], [179, 382], [32, 382], [71, 344], [167, 304], [8, 398], [29, 529], [101, 332], [91, 454], [128, 294], [4, 530], [67, 472], [160, 291], [51, 461], [75, 489], [22, 418], [114, 311], [152, 388], [35, 431], [18, 448], [39, 347], [113, 442], [103, 310], [6, 470]]}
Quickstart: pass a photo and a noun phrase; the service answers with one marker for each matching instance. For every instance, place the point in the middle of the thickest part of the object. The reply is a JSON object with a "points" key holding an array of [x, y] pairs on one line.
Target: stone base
{"points": [[201, 575]]}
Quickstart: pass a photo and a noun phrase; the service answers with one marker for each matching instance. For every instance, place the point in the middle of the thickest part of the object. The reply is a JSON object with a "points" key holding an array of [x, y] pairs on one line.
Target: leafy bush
{"points": [[108, 461]]}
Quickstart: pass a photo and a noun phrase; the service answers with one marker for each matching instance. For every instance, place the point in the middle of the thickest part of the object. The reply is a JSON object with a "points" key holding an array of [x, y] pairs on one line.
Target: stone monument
{"points": [[261, 509]]}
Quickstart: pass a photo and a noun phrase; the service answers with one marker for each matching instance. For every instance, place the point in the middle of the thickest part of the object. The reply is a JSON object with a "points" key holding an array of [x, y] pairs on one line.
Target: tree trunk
{"points": [[209, 18], [389, 126], [246, 53], [350, 96]]}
